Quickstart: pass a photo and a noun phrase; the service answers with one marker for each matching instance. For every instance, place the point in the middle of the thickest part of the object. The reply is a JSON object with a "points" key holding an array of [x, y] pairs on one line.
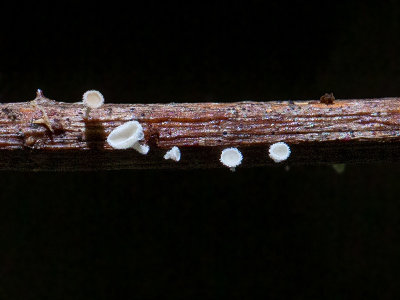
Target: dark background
{"points": [[201, 233]]}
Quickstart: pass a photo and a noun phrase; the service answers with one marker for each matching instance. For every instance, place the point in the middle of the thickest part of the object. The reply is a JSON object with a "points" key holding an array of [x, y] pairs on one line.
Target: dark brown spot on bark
{"points": [[327, 98]]}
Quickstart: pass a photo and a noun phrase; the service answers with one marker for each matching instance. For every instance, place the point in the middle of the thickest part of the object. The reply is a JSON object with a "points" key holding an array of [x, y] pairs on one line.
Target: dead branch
{"points": [[47, 135]]}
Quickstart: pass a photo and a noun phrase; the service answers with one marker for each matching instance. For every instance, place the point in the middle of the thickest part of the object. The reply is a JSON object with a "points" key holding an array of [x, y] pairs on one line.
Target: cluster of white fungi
{"points": [[130, 135], [232, 157]]}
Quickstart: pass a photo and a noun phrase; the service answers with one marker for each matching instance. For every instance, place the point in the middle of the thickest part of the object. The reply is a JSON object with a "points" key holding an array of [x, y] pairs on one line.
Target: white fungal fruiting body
{"points": [[231, 157], [93, 99], [279, 152], [126, 135], [174, 154]]}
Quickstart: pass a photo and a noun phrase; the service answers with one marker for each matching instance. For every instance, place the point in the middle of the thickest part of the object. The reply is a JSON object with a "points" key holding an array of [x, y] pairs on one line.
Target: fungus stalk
{"points": [[142, 149]]}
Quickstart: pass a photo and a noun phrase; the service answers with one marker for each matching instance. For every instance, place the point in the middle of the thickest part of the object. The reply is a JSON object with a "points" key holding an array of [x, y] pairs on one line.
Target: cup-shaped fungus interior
{"points": [[231, 157], [93, 99], [279, 152], [126, 135]]}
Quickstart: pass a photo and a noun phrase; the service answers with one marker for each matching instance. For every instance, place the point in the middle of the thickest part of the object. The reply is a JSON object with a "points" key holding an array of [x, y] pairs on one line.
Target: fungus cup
{"points": [[279, 152], [126, 135], [231, 157], [93, 99], [174, 153]]}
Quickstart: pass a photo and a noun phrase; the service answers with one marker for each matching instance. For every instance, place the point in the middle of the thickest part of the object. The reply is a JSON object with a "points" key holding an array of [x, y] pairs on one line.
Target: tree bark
{"points": [[47, 135]]}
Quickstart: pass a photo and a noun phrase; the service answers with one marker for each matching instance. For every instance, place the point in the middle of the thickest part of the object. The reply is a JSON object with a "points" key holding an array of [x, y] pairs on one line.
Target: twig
{"points": [[50, 135]]}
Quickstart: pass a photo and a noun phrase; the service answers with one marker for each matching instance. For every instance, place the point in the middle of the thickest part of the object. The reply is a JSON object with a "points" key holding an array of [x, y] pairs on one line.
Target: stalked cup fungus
{"points": [[231, 157], [126, 135], [174, 154], [93, 99], [279, 152]]}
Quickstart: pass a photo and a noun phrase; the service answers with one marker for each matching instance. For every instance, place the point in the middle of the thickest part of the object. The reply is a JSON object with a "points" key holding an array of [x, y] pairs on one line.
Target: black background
{"points": [[200, 233]]}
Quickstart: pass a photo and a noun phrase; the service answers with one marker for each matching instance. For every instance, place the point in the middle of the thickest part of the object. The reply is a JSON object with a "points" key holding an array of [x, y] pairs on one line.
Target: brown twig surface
{"points": [[47, 135]]}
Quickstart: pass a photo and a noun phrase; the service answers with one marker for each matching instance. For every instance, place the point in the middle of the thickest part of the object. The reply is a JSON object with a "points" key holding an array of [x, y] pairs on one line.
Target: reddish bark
{"points": [[50, 135]]}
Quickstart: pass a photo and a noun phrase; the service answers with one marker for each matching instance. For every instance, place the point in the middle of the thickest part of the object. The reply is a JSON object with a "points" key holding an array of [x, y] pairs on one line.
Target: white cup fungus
{"points": [[279, 152], [174, 153], [93, 99], [231, 157], [126, 135]]}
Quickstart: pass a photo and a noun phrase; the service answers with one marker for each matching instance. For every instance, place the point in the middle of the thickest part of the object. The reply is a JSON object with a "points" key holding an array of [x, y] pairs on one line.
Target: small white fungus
{"points": [[231, 157], [125, 135], [93, 99], [174, 154], [142, 149], [279, 152]]}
